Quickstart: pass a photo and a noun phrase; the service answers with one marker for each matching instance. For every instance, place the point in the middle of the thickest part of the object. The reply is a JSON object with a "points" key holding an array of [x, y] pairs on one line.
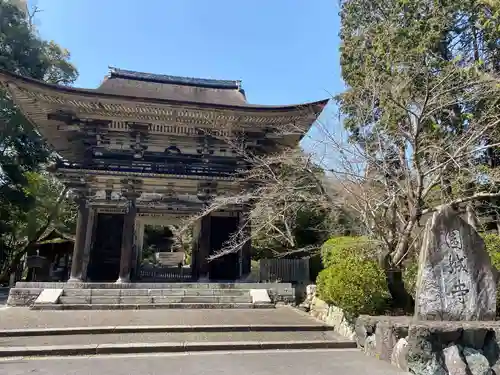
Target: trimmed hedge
{"points": [[337, 248], [352, 280]]}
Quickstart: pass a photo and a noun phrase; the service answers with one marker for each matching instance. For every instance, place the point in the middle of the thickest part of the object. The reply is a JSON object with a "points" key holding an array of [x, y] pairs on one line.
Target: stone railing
{"points": [[432, 347]]}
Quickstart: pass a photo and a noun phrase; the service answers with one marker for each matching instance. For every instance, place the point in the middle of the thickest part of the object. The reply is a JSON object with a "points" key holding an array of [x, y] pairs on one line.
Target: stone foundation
{"points": [[432, 347], [331, 315], [25, 293]]}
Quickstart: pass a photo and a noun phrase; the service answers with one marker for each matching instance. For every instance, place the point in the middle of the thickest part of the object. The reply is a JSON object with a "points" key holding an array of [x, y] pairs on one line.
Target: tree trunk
{"points": [[10, 267], [401, 299]]}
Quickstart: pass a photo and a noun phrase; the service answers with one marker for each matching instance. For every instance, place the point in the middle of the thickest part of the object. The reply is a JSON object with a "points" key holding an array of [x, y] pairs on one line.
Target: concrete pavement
{"points": [[35, 333], [321, 362], [21, 317], [170, 337]]}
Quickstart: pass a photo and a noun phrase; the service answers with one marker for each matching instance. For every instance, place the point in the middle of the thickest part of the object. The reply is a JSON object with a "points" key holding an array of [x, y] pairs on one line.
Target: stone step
{"points": [[152, 299], [282, 288], [117, 306], [26, 293], [154, 292]]}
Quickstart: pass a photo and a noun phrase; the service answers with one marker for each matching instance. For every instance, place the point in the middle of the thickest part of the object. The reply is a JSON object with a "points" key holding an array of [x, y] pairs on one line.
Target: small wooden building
{"points": [[50, 258]]}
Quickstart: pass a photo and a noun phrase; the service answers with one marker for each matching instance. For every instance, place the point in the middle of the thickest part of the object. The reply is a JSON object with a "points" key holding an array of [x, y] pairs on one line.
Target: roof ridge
{"points": [[164, 78]]}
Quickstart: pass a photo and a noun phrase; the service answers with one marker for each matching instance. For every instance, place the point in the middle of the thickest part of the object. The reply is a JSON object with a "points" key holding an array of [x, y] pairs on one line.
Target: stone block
{"points": [[259, 296], [478, 364], [399, 354], [203, 292], [163, 299], [335, 317], [49, 296], [454, 362], [71, 292], [364, 327], [23, 296], [440, 334], [99, 300], [199, 299], [135, 300], [236, 299], [74, 300], [385, 340], [135, 292], [370, 346], [456, 280]]}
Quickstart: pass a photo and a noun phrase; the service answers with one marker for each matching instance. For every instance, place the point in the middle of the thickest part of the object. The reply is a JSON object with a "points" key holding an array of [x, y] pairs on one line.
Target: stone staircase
{"points": [[110, 296], [153, 298]]}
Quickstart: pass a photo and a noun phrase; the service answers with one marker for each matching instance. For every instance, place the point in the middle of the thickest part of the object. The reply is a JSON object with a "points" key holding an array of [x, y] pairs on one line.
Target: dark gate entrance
{"points": [[226, 268], [104, 263]]}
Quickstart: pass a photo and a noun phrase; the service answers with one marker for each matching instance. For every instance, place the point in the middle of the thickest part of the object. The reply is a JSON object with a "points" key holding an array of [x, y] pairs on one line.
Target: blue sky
{"points": [[284, 51]]}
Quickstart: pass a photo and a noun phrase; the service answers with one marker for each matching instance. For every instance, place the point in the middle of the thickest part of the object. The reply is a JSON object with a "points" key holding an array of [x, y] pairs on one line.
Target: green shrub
{"points": [[410, 272], [352, 281], [336, 248], [492, 242]]}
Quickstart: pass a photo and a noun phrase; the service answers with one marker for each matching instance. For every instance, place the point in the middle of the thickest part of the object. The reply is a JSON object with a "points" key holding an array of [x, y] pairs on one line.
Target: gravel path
{"points": [[21, 317]]}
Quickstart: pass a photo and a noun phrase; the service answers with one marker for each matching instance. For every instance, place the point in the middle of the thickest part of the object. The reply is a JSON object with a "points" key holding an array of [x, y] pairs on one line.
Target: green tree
{"points": [[422, 111], [22, 151], [52, 207]]}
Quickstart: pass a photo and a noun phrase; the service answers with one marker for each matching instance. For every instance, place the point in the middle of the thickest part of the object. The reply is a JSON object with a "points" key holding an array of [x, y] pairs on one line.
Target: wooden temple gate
{"points": [[149, 145]]}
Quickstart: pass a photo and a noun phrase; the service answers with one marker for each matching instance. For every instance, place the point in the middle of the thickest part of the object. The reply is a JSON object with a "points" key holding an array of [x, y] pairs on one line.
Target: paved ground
{"points": [[168, 337], [338, 362], [21, 317]]}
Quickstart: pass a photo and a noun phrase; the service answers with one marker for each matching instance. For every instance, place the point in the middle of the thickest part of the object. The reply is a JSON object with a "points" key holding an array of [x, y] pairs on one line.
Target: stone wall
{"points": [[432, 347], [331, 315]]}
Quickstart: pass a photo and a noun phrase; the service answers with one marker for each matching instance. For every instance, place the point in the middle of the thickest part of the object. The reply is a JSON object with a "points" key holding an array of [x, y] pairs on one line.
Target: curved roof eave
{"points": [[8, 77]]}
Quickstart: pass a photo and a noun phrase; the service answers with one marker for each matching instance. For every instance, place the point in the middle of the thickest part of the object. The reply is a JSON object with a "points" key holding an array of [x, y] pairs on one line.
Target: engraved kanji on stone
{"points": [[453, 239], [459, 291], [457, 263]]}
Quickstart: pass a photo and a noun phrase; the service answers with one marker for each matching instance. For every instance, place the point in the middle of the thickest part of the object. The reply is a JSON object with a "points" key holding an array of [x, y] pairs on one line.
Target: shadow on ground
{"points": [[4, 294]]}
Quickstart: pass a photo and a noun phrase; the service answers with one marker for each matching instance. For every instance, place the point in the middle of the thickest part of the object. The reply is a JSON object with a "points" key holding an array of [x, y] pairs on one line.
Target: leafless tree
{"points": [[420, 157]]}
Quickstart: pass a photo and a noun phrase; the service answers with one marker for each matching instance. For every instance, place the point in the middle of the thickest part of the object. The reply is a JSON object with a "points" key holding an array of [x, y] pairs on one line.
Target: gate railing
{"points": [[155, 274], [284, 270]]}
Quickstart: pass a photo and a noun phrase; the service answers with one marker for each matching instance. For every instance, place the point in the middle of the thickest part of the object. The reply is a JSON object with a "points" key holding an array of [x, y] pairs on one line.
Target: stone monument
{"points": [[456, 280]]}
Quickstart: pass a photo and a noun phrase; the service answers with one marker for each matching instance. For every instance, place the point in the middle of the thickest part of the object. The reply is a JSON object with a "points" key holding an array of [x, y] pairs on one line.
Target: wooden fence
{"points": [[284, 270], [160, 274]]}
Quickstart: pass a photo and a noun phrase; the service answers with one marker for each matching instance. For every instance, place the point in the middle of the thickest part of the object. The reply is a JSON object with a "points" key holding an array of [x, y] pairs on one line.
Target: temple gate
{"points": [[145, 148]]}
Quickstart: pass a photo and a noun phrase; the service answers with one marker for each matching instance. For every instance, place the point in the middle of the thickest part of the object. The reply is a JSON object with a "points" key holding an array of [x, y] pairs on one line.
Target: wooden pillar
{"points": [[139, 235], [88, 241], [127, 238], [81, 234]]}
